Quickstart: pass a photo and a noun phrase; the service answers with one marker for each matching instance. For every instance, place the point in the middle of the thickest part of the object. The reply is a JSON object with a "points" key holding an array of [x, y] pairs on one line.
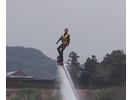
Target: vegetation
{"points": [[103, 94], [109, 75], [31, 94], [109, 72], [111, 93], [31, 85], [74, 68]]}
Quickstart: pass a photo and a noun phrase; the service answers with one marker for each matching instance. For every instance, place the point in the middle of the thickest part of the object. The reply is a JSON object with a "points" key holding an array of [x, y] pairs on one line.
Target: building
{"points": [[18, 74], [19, 79]]}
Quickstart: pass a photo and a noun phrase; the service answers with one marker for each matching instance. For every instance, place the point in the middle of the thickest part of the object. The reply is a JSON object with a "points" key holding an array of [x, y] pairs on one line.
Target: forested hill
{"points": [[31, 61]]}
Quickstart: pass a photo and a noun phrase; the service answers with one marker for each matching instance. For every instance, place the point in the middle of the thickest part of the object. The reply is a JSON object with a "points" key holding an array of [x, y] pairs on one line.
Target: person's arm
{"points": [[68, 39], [58, 40]]}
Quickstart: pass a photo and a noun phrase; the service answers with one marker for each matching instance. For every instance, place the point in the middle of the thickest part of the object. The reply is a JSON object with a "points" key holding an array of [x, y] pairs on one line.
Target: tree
{"points": [[115, 56], [74, 68], [74, 59], [90, 64], [115, 66], [88, 72]]}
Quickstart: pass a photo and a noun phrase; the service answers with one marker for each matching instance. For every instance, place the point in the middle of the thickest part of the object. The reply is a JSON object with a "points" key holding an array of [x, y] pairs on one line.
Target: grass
{"points": [[104, 94], [119, 93], [111, 93], [31, 94]]}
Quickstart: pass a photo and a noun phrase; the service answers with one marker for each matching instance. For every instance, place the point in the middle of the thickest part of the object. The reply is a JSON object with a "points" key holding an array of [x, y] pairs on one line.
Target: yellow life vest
{"points": [[64, 38]]}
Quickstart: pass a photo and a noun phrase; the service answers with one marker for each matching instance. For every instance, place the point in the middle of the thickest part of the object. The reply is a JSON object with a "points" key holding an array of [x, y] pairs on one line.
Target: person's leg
{"points": [[58, 49], [62, 49], [61, 58]]}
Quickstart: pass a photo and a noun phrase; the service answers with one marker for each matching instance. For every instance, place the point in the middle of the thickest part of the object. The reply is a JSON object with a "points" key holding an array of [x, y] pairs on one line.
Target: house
{"points": [[18, 74], [19, 79]]}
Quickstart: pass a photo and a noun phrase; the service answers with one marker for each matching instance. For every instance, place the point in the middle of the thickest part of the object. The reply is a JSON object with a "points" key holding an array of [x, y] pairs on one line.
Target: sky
{"points": [[96, 27]]}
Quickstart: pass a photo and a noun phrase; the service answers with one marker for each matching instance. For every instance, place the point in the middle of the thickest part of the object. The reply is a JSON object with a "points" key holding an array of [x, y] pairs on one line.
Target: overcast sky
{"points": [[96, 27]]}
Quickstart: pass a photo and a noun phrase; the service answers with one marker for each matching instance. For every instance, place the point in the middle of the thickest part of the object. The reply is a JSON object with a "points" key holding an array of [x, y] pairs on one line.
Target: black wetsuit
{"points": [[62, 46]]}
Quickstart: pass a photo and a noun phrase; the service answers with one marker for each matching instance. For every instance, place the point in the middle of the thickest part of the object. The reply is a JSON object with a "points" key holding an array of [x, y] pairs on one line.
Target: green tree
{"points": [[115, 56], [88, 73], [74, 68], [115, 66]]}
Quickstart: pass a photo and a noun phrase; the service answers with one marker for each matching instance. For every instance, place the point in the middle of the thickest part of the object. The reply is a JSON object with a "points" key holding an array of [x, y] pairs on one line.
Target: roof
{"points": [[17, 74]]}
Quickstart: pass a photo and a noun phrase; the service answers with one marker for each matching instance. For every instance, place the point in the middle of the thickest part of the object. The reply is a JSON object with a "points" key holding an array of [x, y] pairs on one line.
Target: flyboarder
{"points": [[65, 38]]}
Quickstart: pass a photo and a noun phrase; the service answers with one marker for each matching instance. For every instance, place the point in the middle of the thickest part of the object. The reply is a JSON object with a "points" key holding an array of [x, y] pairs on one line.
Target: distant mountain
{"points": [[31, 61]]}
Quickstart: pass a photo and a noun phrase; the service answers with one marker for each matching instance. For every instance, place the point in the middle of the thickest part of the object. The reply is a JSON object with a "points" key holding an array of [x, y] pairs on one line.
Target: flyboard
{"points": [[60, 60], [61, 64]]}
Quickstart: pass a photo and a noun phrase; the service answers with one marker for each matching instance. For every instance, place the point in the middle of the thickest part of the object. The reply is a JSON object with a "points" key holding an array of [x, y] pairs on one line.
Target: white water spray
{"points": [[67, 89]]}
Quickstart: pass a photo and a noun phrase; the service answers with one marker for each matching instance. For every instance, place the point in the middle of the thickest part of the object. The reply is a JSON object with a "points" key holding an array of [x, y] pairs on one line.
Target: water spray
{"points": [[67, 88]]}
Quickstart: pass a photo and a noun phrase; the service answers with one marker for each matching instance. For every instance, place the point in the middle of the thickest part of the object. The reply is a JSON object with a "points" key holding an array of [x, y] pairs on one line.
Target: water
{"points": [[66, 87]]}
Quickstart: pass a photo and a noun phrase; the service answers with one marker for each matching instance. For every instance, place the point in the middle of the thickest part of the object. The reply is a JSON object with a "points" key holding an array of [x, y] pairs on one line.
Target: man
{"points": [[65, 38]]}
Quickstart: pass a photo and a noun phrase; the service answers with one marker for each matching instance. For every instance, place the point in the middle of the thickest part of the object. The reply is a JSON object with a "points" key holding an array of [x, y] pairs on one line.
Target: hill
{"points": [[31, 61]]}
